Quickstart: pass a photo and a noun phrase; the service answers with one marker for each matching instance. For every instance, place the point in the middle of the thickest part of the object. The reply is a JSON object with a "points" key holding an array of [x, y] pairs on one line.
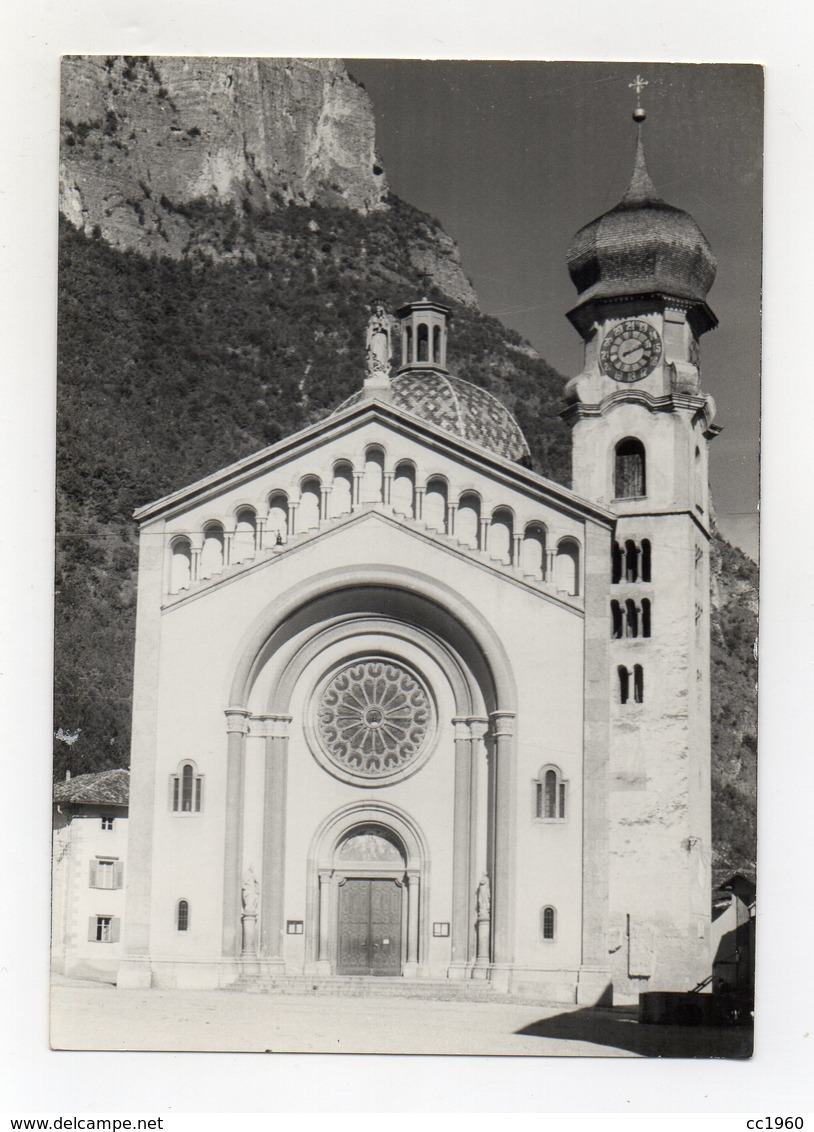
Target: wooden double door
{"points": [[369, 926]]}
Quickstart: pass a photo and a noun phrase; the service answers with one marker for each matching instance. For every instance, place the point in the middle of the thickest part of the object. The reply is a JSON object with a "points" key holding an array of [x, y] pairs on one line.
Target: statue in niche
{"points": [[484, 898], [379, 342], [250, 893]]}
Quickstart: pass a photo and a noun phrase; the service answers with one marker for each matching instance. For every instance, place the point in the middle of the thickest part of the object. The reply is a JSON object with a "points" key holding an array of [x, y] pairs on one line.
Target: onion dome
{"points": [[642, 246], [457, 407]]}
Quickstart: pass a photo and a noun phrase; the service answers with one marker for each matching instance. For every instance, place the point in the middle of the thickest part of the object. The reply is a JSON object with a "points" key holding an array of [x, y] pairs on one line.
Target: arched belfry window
{"points": [[629, 471], [182, 916], [423, 342]]}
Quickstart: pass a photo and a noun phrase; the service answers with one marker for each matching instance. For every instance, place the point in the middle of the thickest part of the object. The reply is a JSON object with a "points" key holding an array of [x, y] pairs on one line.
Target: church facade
{"points": [[405, 708]]}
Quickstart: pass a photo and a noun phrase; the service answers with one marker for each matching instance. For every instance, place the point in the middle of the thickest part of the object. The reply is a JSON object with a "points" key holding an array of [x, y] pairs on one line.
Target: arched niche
{"points": [[345, 596]]}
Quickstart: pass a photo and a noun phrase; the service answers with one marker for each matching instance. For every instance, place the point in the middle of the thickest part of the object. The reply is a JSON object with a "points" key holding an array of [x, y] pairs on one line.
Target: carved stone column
{"points": [[388, 488], [236, 728], [324, 501], [483, 542], [272, 905], [228, 540], [195, 564], [477, 732], [358, 477], [324, 947], [503, 876], [452, 511], [413, 894], [260, 536], [461, 850], [517, 550], [293, 506], [419, 502], [550, 557]]}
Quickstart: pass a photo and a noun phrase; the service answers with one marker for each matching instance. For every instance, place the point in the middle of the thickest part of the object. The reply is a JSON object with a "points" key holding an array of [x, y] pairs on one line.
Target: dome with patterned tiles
{"points": [[424, 386], [641, 246], [459, 407]]}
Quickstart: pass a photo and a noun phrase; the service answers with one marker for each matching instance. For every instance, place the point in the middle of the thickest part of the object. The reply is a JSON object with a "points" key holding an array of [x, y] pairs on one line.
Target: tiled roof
{"points": [[459, 407], [641, 246], [102, 787]]}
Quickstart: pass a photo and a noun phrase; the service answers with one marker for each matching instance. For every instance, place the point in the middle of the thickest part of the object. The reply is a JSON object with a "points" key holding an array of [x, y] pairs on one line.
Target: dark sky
{"points": [[514, 157]]}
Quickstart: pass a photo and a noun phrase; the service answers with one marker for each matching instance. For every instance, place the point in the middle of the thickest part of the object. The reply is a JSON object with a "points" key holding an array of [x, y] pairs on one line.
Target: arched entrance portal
{"points": [[369, 873]]}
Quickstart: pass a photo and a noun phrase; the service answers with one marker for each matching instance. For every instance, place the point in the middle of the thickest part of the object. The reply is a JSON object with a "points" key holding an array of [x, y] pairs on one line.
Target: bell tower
{"points": [[640, 429]]}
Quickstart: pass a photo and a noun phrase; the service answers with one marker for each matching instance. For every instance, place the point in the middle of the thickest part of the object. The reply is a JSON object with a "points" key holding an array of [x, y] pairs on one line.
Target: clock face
{"points": [[630, 351]]}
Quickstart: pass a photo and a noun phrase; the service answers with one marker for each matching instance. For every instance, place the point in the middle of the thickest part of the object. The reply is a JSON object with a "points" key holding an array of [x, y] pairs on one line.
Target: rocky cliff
{"points": [[145, 138]]}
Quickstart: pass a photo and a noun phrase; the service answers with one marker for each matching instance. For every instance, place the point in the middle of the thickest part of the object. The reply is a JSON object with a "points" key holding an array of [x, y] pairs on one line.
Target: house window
{"points": [[107, 823], [106, 872], [182, 916], [629, 481], [549, 923], [549, 795], [103, 929], [187, 790]]}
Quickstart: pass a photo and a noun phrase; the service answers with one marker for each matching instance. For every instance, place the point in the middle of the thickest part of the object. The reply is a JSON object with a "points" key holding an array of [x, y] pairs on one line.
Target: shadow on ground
{"points": [[619, 1028]]}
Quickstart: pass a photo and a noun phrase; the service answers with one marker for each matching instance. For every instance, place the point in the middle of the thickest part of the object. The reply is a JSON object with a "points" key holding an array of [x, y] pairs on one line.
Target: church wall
{"points": [[201, 637]]}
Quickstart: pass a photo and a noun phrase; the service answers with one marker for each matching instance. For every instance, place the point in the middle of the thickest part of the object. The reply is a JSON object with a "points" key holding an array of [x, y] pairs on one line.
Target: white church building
{"points": [[405, 708]]}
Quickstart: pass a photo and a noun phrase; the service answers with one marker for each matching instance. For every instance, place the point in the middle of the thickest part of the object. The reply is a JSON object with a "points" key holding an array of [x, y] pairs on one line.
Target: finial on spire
{"points": [[639, 114]]}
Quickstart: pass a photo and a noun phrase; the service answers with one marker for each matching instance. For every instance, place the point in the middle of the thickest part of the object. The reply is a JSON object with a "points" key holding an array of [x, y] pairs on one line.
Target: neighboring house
{"points": [[90, 848], [733, 935], [404, 707]]}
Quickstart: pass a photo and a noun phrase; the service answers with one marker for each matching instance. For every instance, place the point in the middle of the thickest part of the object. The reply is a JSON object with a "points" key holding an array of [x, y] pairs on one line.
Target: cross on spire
{"points": [[638, 85]]}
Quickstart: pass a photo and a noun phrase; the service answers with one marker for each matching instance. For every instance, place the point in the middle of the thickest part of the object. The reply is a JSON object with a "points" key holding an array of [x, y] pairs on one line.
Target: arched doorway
{"points": [[370, 868], [368, 912]]}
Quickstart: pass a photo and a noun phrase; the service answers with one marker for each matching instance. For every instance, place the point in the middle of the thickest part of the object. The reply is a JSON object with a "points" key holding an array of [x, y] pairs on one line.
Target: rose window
{"points": [[373, 718]]}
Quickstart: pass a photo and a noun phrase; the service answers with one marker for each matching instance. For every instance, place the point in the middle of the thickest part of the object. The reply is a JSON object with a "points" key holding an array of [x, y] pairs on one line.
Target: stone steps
{"points": [[351, 986]]}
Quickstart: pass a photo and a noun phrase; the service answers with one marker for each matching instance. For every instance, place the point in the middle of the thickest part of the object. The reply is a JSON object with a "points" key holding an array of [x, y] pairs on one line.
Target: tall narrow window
{"points": [[645, 560], [436, 344], [373, 481], [550, 795], [187, 790], [533, 552], [407, 348], [423, 343], [549, 922], [277, 525], [638, 684], [616, 563], [624, 684], [631, 618], [629, 472], [699, 482], [212, 553], [646, 617], [631, 561], [182, 916], [616, 621]]}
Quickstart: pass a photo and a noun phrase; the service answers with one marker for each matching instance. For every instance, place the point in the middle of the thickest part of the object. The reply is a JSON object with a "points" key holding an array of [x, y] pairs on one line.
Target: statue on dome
{"points": [[379, 341]]}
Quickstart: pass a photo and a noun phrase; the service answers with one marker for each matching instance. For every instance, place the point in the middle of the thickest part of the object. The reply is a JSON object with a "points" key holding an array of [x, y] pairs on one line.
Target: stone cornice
{"points": [[700, 407]]}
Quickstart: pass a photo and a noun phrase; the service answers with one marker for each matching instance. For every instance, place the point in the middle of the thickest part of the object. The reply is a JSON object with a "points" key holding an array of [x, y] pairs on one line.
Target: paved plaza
{"points": [[95, 1016]]}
